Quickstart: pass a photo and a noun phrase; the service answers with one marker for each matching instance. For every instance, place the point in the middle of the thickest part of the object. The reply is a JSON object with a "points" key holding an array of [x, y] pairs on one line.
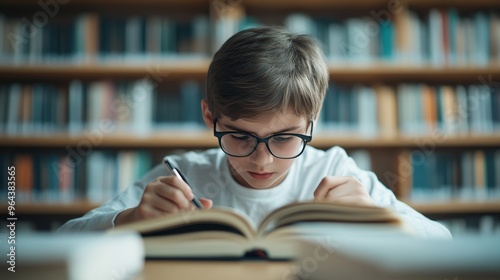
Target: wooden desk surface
{"points": [[219, 270]]}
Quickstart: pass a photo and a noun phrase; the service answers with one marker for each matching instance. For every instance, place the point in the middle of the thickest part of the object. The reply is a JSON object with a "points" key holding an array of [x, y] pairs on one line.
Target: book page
{"points": [[325, 212], [213, 220]]}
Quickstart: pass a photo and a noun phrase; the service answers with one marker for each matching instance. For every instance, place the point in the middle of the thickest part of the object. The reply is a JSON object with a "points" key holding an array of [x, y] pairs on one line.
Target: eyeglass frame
{"points": [[305, 138]]}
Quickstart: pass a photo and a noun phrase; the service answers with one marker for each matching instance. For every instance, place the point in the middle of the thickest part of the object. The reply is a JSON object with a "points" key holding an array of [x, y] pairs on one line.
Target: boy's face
{"points": [[261, 170]]}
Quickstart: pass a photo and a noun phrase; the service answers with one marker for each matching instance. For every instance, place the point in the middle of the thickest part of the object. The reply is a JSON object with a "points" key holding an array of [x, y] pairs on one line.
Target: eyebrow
{"points": [[275, 132]]}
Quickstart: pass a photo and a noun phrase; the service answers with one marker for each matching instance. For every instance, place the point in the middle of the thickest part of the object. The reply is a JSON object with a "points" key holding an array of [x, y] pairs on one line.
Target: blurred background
{"points": [[95, 93]]}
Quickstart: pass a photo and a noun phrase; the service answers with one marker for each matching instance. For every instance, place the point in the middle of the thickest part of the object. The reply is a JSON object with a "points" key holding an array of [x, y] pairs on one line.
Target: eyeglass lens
{"points": [[280, 145]]}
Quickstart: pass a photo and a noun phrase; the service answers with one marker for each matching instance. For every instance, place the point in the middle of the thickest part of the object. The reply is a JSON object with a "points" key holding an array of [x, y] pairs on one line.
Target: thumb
{"points": [[206, 203]]}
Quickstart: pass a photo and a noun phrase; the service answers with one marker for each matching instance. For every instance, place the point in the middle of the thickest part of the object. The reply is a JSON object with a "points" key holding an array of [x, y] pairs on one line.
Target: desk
{"points": [[464, 258], [219, 270]]}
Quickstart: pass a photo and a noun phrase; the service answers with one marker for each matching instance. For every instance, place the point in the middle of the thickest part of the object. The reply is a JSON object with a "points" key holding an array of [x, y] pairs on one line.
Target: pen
{"points": [[177, 172]]}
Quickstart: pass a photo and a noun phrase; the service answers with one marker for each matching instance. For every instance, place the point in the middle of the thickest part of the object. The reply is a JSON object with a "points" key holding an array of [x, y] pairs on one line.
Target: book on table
{"points": [[222, 233], [73, 255]]}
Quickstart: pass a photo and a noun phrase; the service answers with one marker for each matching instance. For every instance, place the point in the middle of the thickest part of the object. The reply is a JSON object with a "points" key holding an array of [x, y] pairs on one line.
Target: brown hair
{"points": [[263, 71]]}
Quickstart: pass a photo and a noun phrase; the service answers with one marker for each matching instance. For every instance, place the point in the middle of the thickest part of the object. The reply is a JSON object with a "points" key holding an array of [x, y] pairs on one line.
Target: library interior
{"points": [[93, 95]]}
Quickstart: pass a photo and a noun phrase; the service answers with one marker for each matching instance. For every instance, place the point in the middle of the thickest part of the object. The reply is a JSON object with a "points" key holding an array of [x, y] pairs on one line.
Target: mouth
{"points": [[260, 176]]}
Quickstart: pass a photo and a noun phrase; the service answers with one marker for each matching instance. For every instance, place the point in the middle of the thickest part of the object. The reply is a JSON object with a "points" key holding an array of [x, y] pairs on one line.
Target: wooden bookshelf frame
{"points": [[454, 207], [78, 208], [205, 139], [169, 69], [276, 4]]}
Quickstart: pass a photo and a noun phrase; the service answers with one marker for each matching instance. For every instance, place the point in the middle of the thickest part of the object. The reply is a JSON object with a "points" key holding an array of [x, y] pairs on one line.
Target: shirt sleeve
{"points": [[104, 216], [384, 197]]}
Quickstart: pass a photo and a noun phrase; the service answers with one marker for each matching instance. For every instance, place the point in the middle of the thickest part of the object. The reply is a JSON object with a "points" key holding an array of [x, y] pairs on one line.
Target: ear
{"points": [[207, 114]]}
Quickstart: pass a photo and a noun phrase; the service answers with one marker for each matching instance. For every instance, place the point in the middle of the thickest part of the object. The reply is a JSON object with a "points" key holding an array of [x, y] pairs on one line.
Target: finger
{"points": [[328, 183], [177, 183], [341, 190], [147, 211], [353, 200], [152, 202], [351, 188], [174, 195], [164, 205], [206, 203]]}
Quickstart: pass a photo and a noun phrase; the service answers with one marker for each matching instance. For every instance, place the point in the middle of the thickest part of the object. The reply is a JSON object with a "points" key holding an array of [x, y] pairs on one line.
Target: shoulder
{"points": [[334, 161], [313, 155], [193, 162], [208, 159]]}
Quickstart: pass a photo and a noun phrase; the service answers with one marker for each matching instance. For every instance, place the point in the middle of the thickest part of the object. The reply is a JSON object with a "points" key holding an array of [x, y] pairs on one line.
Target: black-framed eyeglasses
{"points": [[280, 145]]}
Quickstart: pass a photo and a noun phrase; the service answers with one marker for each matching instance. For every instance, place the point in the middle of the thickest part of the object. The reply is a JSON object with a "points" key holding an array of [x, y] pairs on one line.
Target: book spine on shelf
{"points": [[439, 37], [441, 176], [131, 107], [90, 35], [59, 177], [141, 108], [410, 109]]}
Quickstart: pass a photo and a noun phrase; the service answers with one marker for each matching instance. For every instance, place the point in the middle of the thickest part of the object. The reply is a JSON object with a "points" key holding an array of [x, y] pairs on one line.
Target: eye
{"points": [[240, 137], [282, 139]]}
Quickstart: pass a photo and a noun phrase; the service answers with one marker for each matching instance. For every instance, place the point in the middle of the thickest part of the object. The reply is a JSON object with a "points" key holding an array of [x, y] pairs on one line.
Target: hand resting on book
{"points": [[343, 189]]}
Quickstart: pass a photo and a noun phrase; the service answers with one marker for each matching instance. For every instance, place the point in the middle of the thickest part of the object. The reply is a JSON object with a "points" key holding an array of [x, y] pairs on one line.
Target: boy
{"points": [[265, 89]]}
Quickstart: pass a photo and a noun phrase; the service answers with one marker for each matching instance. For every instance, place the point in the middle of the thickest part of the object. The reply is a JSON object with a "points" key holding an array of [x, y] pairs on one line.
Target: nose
{"points": [[261, 156]]}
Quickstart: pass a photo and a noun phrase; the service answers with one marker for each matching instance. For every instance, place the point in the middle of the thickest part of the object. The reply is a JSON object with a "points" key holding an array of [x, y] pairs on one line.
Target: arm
{"points": [[152, 196], [103, 217]]}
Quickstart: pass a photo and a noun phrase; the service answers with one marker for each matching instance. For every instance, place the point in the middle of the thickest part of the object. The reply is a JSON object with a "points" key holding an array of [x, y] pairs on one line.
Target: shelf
{"points": [[205, 139], [367, 4], [197, 68], [159, 70], [377, 73], [172, 139], [326, 140], [45, 208], [457, 207], [109, 3], [266, 4]]}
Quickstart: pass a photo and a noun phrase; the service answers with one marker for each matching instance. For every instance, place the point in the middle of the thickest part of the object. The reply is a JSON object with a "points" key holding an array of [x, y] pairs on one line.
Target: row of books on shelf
{"points": [[439, 37], [464, 175], [136, 107], [483, 225], [139, 107], [72, 175], [451, 109], [411, 109], [94, 36], [96, 175]]}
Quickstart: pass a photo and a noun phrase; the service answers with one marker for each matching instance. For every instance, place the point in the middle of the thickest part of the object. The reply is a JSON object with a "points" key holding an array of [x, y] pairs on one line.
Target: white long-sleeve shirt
{"points": [[210, 177]]}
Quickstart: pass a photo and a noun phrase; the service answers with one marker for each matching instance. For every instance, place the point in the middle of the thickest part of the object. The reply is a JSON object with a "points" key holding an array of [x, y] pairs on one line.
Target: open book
{"points": [[222, 233]]}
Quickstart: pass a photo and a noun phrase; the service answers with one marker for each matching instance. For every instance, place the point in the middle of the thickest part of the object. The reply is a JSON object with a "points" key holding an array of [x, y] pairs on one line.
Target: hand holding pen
{"points": [[164, 195], [178, 173]]}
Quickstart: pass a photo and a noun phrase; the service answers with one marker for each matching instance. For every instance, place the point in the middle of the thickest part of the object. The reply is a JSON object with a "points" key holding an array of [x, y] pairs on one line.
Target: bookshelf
{"points": [[389, 153]]}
